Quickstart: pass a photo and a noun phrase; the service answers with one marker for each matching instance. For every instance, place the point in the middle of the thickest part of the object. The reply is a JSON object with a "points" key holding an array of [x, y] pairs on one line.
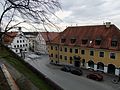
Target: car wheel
{"points": [[87, 76]]}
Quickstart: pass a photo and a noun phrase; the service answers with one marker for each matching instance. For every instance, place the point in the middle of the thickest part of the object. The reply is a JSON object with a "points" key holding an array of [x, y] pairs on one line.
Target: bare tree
{"points": [[15, 12]]}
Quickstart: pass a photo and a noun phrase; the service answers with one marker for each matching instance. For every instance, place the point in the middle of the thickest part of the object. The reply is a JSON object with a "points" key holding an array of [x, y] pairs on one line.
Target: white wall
{"points": [[20, 42], [40, 45]]}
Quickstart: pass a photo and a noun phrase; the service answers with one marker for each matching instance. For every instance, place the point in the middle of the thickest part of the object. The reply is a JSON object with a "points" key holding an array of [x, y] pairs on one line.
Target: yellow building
{"points": [[96, 47]]}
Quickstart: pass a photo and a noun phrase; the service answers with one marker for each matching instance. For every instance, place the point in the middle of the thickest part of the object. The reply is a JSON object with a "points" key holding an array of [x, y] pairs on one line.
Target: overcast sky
{"points": [[88, 12], [84, 12]]}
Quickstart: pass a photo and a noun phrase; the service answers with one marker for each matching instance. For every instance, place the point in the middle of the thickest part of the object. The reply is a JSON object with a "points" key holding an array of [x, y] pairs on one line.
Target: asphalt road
{"points": [[66, 80]]}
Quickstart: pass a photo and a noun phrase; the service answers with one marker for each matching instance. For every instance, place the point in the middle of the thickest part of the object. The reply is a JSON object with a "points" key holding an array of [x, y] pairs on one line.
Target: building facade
{"points": [[31, 36], [41, 41], [16, 41], [96, 47]]}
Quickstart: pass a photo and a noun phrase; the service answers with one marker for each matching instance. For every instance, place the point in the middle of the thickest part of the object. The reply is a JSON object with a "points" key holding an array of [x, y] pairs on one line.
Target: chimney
{"points": [[108, 24]]}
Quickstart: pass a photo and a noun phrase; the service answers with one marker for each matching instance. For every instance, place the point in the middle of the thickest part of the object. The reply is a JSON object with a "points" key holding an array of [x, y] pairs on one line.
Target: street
{"points": [[66, 80]]}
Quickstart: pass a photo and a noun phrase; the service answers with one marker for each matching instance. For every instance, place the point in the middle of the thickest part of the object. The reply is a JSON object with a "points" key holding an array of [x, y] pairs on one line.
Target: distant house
{"points": [[31, 36], [16, 41], [42, 39]]}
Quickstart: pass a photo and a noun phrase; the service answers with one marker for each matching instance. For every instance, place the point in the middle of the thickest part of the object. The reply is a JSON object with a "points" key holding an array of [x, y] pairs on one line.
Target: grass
{"points": [[37, 81]]}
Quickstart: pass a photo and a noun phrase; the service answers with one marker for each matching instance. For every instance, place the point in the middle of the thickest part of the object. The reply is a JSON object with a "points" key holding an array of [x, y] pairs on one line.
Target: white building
{"points": [[16, 41], [41, 41], [31, 36]]}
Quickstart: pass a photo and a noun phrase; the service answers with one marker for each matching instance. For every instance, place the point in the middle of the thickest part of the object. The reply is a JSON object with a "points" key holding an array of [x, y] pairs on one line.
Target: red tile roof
{"points": [[91, 33], [9, 36], [48, 36]]}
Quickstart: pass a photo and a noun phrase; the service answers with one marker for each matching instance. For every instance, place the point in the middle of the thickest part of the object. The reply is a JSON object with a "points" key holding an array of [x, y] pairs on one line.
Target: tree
{"points": [[15, 12]]}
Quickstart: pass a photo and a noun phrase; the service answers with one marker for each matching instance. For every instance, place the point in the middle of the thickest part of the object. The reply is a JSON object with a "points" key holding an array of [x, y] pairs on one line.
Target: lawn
{"points": [[37, 81]]}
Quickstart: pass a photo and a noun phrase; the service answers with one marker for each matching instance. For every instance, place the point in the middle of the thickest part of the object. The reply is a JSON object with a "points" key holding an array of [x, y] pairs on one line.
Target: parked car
{"points": [[95, 76], [77, 72], [66, 68]]}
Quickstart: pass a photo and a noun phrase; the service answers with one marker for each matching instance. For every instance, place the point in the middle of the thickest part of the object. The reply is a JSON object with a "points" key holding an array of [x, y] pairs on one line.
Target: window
{"points": [[15, 46], [65, 49], [82, 51], [73, 40], [17, 41], [20, 41], [76, 50], [51, 47], [112, 55], [56, 48], [23, 41], [65, 57], [101, 54], [60, 56], [60, 48], [84, 41], [70, 60], [51, 55], [20, 45], [56, 56], [26, 45], [25, 49], [71, 50], [16, 50], [91, 53], [63, 40], [114, 43], [98, 41], [23, 45]]}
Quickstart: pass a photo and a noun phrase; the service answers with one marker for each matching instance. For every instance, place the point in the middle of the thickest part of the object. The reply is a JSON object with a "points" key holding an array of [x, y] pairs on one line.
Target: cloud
{"points": [[90, 11]]}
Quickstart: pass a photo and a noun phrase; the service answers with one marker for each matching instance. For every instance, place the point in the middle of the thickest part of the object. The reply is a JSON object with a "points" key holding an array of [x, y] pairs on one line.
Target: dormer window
{"points": [[98, 41], [63, 40], [84, 41], [73, 40], [114, 43]]}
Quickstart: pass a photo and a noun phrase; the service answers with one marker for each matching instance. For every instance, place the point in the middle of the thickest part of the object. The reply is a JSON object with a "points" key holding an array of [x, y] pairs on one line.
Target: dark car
{"points": [[66, 68], [77, 72], [95, 76]]}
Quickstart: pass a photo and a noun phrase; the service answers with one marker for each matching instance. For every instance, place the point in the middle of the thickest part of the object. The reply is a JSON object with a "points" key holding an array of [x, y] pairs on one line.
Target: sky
{"points": [[88, 12]]}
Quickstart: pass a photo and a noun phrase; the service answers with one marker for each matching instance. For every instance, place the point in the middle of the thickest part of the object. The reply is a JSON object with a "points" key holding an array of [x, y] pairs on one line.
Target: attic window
{"points": [[98, 41], [114, 43], [73, 40], [63, 40], [84, 41]]}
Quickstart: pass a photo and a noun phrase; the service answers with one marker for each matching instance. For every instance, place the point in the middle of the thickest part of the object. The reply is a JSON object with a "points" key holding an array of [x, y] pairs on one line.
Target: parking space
{"points": [[70, 81]]}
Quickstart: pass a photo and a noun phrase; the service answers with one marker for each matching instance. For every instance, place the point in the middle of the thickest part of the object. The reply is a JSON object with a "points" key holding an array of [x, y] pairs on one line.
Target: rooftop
{"points": [[89, 35]]}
